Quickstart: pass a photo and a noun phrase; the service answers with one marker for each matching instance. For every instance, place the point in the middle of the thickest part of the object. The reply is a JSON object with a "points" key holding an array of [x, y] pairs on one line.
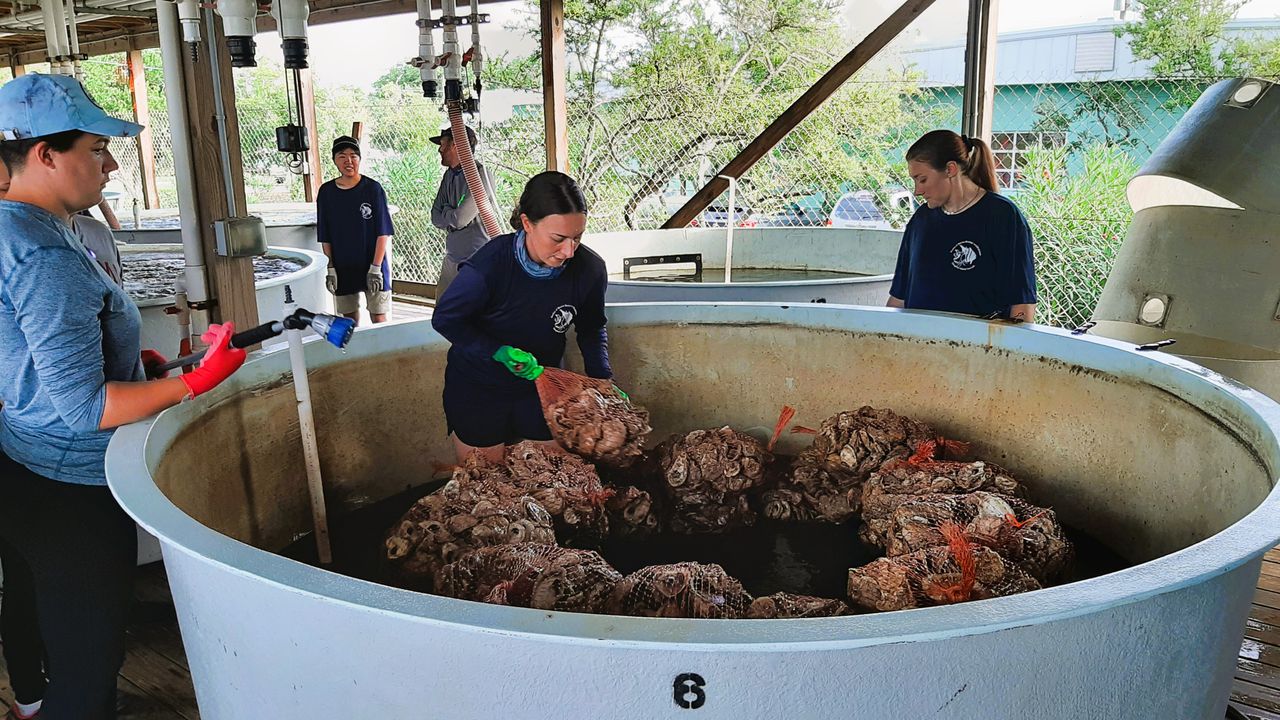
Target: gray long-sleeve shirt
{"points": [[455, 212], [65, 331]]}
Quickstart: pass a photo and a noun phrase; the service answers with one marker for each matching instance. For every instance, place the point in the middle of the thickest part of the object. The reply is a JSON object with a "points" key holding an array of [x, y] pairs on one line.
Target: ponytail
{"points": [[939, 147]]}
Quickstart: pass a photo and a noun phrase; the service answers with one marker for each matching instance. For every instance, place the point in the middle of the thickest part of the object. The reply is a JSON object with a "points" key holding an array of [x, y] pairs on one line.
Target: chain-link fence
{"points": [[1066, 143]]}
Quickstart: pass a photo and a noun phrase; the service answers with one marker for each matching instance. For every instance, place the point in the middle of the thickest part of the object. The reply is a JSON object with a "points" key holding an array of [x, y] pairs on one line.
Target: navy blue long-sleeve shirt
{"points": [[494, 302]]}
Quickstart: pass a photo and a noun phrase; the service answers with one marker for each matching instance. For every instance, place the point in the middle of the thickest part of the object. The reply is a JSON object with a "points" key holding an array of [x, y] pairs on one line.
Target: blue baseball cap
{"points": [[36, 105]]}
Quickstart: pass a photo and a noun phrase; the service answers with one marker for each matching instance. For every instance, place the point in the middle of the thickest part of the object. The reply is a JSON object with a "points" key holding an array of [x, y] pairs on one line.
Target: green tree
{"points": [[1183, 37], [694, 83], [1187, 39], [106, 78], [1079, 221]]}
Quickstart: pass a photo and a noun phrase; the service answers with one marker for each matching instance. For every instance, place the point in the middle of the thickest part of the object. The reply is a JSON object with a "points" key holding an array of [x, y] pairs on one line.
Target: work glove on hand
{"points": [[373, 279], [522, 364], [152, 359], [331, 281], [621, 394], [219, 361]]}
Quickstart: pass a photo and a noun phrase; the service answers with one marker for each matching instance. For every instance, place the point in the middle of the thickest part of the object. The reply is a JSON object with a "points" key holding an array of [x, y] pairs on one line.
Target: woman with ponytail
{"points": [[521, 291], [968, 248]]}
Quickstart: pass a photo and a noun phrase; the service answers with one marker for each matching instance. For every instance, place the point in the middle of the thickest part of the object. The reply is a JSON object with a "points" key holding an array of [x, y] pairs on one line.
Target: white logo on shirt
{"points": [[964, 256], [366, 211], [562, 318]]}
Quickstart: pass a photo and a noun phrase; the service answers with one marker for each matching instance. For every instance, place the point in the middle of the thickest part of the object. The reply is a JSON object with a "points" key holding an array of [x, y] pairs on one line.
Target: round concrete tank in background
{"points": [[1159, 459], [160, 331], [867, 257]]}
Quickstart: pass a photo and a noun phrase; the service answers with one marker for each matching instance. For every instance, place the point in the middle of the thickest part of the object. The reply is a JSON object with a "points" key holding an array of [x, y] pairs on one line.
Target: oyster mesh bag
{"points": [[825, 482], [565, 486], [956, 572], [1028, 535], [591, 418], [546, 577], [680, 590], [900, 481], [788, 605], [475, 509], [707, 474]]}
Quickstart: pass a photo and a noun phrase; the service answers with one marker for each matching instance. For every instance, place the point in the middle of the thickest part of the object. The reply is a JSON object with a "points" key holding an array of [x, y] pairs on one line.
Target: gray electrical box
{"points": [[240, 237]]}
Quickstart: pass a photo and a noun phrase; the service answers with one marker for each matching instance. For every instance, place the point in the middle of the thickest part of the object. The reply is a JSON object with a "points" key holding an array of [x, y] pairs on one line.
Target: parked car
{"points": [[859, 209], [794, 216], [718, 216]]}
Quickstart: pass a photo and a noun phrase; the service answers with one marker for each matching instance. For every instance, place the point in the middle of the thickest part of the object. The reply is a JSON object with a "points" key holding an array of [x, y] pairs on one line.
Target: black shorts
{"points": [[484, 416]]}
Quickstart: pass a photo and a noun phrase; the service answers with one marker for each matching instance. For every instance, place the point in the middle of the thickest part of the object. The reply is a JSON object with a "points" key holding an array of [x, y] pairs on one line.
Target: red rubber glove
{"points": [[152, 359], [218, 363]]}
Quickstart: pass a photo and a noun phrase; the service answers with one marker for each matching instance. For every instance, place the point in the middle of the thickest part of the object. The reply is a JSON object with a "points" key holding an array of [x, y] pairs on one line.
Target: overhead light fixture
{"points": [[1248, 92]]}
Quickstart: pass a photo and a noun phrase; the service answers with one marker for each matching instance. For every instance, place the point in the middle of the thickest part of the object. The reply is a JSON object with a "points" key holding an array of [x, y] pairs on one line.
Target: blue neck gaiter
{"points": [[531, 266]]}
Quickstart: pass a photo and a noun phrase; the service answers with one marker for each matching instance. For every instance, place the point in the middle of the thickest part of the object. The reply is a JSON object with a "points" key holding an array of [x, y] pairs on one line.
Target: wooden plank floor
{"points": [[1256, 693], [404, 310], [155, 681]]}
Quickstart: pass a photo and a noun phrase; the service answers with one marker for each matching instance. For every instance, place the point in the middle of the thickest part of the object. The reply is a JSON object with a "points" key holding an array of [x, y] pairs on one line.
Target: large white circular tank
{"points": [[1166, 463], [852, 266]]}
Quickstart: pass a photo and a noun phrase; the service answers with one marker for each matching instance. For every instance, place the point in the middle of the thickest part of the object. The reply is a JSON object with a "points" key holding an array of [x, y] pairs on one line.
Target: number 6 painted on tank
{"points": [[687, 684]]}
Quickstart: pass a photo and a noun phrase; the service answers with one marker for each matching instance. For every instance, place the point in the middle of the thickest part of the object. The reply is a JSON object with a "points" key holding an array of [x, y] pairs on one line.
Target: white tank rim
{"points": [[817, 282], [308, 258], [1240, 543]]}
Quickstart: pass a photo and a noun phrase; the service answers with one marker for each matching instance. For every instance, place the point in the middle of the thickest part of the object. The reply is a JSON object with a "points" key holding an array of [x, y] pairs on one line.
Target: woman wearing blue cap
{"points": [[70, 373]]}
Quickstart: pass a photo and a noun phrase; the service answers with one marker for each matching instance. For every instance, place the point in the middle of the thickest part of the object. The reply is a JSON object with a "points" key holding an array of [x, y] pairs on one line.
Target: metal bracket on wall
{"points": [[628, 264]]}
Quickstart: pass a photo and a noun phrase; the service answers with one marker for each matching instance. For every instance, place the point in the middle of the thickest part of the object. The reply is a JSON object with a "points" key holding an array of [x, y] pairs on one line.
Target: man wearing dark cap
{"points": [[353, 222], [455, 211]]}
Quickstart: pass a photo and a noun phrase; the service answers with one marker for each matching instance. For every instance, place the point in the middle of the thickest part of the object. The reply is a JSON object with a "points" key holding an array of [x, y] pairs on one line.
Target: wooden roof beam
{"points": [[812, 99]]}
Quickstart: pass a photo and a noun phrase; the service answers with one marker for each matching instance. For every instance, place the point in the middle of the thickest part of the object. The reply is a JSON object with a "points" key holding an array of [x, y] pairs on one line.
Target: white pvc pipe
{"points": [[426, 45], [175, 96], [54, 34], [66, 66], [729, 223], [220, 117], [307, 429], [32, 15], [73, 38], [453, 66], [50, 33], [477, 56]]}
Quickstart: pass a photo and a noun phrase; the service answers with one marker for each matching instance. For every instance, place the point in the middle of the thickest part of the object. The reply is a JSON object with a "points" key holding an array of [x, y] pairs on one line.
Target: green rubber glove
{"points": [[621, 394], [521, 363]]}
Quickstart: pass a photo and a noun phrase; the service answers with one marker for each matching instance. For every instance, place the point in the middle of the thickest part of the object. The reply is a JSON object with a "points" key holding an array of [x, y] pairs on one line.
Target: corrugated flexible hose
{"points": [[487, 218]]}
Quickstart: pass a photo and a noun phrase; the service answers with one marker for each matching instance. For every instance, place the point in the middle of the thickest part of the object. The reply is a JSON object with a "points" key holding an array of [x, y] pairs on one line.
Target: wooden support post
{"points": [[811, 100], [980, 70], [315, 171], [18, 70], [146, 140], [230, 279], [357, 129], [555, 108]]}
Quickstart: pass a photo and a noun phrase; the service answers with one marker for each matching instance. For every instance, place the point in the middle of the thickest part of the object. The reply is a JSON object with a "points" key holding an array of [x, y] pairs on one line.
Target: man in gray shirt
{"points": [[455, 211]]}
